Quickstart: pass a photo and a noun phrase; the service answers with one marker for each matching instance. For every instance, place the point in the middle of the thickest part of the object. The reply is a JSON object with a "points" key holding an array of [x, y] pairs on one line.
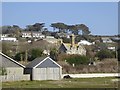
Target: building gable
{"points": [[6, 61], [42, 62], [62, 48], [47, 63]]}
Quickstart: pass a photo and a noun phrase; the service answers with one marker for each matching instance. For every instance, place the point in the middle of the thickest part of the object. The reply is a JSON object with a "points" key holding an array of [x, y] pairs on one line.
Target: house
{"points": [[44, 68], [106, 40], [12, 39], [84, 42], [14, 71], [62, 34], [5, 37], [35, 34], [72, 48], [52, 40]]}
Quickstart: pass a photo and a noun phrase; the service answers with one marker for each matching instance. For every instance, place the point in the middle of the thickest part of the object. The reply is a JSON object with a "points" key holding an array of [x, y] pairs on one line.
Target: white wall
{"points": [[10, 78], [46, 74], [92, 75]]}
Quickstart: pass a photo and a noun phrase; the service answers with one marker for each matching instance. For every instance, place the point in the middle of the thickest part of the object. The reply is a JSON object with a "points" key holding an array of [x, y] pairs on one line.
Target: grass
{"points": [[65, 83]]}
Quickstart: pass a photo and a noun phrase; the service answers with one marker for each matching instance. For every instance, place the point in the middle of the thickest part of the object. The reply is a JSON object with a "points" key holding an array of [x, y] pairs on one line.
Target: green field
{"points": [[65, 83]]}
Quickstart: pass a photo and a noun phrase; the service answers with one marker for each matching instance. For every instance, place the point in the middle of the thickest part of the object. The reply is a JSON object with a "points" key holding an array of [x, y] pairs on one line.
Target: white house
{"points": [[8, 39], [106, 40], [84, 42], [29, 34], [4, 35]]}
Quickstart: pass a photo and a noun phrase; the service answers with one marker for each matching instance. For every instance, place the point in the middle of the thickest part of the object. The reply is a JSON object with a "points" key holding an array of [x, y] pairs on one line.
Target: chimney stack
{"points": [[72, 40]]}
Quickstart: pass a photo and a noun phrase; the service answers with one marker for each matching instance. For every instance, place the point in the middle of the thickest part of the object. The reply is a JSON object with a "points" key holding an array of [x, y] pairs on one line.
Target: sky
{"points": [[100, 17]]}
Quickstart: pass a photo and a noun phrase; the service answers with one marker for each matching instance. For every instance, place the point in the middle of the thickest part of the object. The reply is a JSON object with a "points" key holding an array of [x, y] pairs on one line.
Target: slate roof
{"points": [[35, 62], [42, 62], [67, 46], [6, 61]]}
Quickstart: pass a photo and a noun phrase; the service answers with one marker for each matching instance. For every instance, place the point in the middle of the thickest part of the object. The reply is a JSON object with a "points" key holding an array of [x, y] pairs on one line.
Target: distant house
{"points": [[14, 70], [106, 40], [52, 40], [67, 35], [84, 42], [4, 35], [8, 39], [44, 68], [72, 48], [35, 34]]}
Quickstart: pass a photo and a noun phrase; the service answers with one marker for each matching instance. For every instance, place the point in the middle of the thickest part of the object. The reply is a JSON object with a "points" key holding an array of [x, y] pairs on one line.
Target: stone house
{"points": [[72, 48]]}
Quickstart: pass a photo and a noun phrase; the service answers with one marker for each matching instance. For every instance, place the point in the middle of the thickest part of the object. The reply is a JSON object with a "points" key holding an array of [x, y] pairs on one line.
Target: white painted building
{"points": [[84, 42], [29, 34], [8, 39], [106, 40]]}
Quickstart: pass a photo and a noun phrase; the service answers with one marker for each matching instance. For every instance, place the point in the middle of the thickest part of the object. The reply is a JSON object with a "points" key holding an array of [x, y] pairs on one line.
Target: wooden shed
{"points": [[44, 68]]}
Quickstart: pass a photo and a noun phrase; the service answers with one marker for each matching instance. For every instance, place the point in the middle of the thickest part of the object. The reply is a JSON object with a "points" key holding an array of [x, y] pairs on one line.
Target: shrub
{"points": [[3, 71], [20, 56], [77, 59], [104, 54], [36, 53]]}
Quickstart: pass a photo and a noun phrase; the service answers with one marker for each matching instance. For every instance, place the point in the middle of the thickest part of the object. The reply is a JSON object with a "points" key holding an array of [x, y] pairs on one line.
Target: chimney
{"points": [[72, 40]]}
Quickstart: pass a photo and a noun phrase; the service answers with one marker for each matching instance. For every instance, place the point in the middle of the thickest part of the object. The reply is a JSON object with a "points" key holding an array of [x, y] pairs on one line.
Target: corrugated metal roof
{"points": [[6, 61]]}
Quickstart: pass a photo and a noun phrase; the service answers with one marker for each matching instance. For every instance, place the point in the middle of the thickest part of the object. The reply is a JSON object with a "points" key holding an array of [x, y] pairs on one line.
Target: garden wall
{"points": [[6, 78]]}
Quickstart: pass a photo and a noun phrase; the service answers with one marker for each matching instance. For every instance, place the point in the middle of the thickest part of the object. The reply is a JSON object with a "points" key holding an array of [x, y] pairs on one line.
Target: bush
{"points": [[35, 53], [31, 55], [77, 59], [104, 54], [20, 56], [3, 71]]}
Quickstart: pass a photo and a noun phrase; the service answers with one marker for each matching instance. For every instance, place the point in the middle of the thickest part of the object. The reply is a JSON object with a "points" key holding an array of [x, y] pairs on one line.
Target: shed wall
{"points": [[14, 71], [47, 73]]}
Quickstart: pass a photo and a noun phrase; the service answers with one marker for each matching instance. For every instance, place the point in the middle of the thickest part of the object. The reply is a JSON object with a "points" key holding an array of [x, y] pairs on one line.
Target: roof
{"points": [[30, 32], [6, 61], [84, 42], [68, 45], [38, 62]]}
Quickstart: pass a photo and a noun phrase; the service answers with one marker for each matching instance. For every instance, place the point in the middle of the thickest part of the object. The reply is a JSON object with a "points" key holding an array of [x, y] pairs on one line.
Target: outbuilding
{"points": [[11, 70], [44, 68]]}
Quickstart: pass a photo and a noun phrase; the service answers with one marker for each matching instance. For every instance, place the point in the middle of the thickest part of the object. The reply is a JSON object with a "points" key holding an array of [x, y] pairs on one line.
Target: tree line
{"points": [[15, 30]]}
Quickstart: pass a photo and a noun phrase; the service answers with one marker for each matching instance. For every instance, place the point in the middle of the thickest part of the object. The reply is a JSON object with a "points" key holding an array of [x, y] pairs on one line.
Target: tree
{"points": [[35, 27], [102, 54], [73, 29], [20, 56], [6, 48], [16, 31], [60, 26], [35, 53], [84, 28], [53, 53], [39, 26]]}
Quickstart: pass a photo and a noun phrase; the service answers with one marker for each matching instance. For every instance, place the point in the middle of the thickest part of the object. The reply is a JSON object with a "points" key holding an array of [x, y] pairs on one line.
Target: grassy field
{"points": [[65, 83]]}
